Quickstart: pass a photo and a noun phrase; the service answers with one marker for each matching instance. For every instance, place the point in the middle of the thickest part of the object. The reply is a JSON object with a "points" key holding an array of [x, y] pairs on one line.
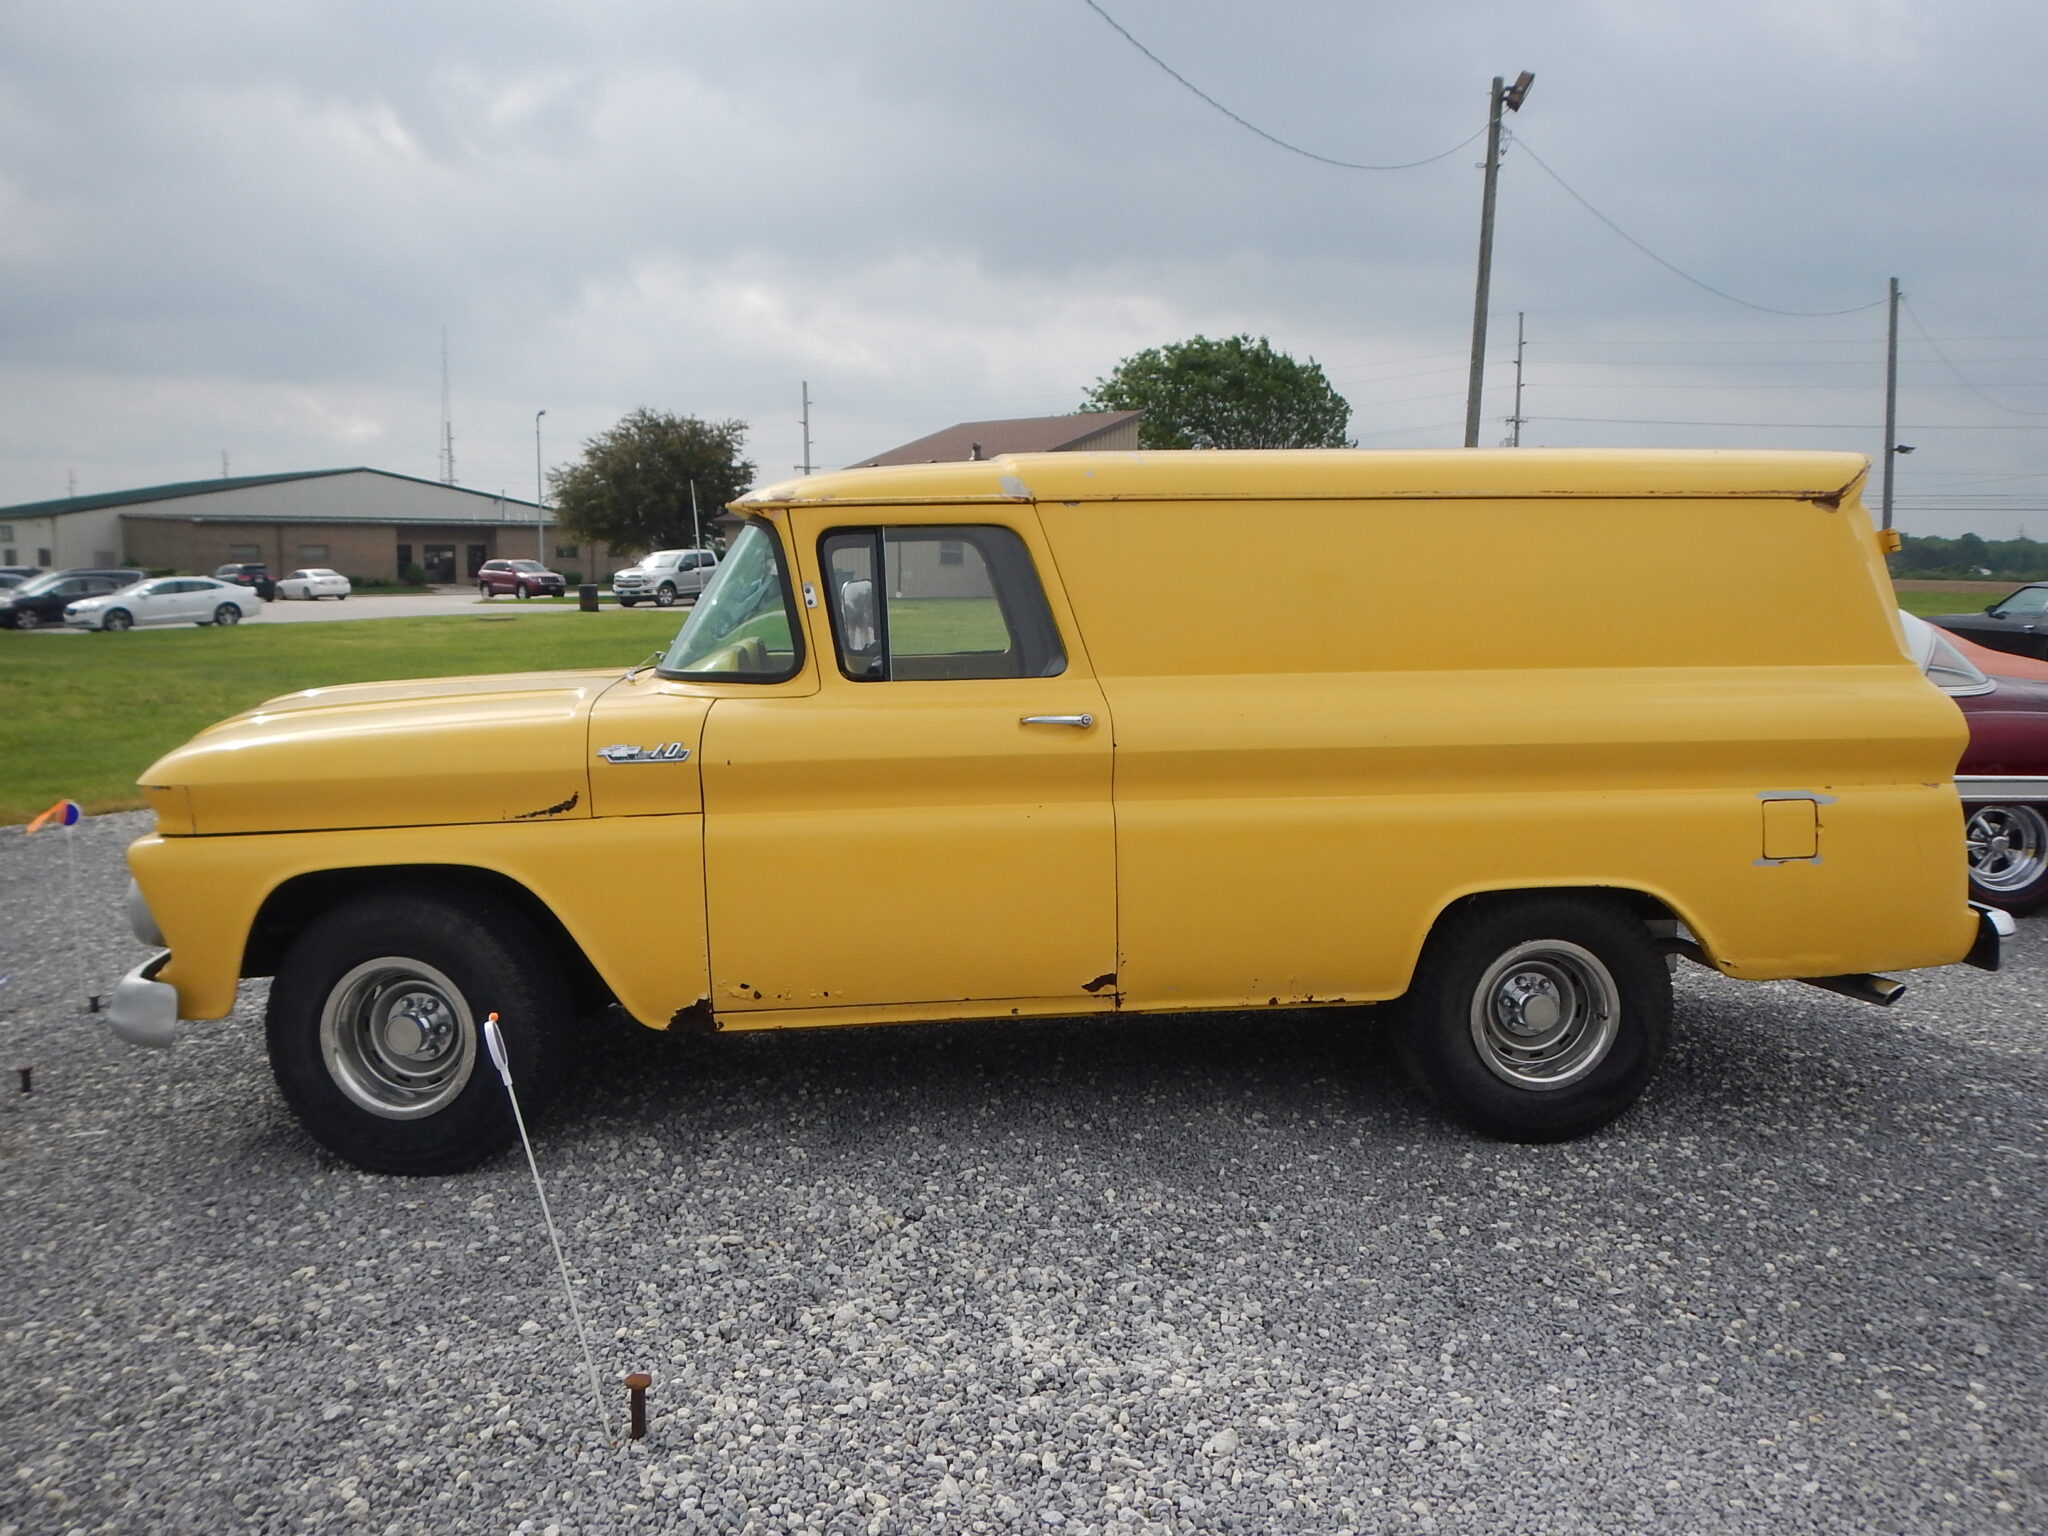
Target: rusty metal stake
{"points": [[637, 1385]]}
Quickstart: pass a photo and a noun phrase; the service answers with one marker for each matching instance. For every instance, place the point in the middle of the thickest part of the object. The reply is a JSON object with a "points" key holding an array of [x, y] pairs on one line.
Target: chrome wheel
{"points": [[227, 613], [2008, 848], [397, 1037], [665, 596], [1545, 1014], [116, 619], [26, 618]]}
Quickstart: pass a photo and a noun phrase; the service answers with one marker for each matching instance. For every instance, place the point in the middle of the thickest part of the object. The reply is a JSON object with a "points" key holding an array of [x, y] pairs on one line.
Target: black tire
{"points": [[483, 590], [2008, 848], [523, 591], [439, 1108], [1537, 1018], [227, 613], [665, 596], [117, 619], [27, 618]]}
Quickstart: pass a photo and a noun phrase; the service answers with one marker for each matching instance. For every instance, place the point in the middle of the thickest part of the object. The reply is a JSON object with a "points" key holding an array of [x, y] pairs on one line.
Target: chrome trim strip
{"points": [[2020, 789]]}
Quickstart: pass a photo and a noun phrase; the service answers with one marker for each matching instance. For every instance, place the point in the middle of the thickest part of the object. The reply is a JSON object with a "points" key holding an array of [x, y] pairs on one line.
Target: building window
{"points": [[312, 554], [7, 533], [7, 556], [245, 554], [566, 551], [43, 557]]}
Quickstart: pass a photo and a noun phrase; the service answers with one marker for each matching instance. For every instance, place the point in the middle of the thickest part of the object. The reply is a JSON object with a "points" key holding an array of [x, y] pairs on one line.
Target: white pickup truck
{"points": [[664, 576]]}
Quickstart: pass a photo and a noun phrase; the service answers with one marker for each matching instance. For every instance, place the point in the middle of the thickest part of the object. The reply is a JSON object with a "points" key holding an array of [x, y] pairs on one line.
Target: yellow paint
{"points": [[1332, 694]]}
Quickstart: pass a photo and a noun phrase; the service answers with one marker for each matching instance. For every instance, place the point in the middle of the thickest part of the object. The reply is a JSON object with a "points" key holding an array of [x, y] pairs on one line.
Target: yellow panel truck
{"points": [[1496, 734]]}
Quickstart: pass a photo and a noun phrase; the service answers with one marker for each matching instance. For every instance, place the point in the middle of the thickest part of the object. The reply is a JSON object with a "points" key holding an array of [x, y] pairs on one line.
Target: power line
{"points": [[1952, 368], [1719, 293], [1294, 149], [1815, 426]]}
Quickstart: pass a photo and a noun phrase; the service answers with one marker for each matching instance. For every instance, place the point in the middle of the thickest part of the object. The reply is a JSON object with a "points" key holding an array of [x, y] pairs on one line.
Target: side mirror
{"points": [[1992, 609]]}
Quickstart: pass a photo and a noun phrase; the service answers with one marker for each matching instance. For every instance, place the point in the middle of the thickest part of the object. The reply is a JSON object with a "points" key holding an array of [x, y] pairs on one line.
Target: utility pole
{"points": [[696, 520], [1515, 421], [1509, 98], [1891, 401], [806, 465], [540, 500]]}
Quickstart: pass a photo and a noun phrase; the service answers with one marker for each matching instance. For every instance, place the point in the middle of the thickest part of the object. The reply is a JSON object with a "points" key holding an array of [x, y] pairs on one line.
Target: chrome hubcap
{"points": [[397, 1037], [2008, 847], [1545, 1014]]}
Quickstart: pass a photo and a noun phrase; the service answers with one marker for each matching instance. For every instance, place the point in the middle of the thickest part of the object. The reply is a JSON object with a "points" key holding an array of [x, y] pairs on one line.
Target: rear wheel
{"points": [[227, 613], [376, 1024], [1537, 1018], [117, 618], [2008, 847]]}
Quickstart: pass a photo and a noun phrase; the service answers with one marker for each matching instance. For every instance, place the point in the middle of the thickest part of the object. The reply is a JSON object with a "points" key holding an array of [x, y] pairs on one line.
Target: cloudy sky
{"points": [[241, 226]]}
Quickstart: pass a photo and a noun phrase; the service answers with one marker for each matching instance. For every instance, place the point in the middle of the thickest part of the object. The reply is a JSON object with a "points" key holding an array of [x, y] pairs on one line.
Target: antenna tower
{"points": [[447, 424]]}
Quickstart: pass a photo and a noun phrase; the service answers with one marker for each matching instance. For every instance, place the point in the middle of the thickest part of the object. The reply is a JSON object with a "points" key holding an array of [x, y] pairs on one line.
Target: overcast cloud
{"points": [[241, 225]]}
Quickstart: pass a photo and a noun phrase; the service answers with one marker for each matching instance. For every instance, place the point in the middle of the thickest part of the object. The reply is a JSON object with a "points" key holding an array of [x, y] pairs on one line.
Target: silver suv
{"points": [[664, 576]]}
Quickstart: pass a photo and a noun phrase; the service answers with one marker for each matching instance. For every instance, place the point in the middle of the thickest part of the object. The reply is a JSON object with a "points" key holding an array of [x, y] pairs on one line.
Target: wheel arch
{"points": [[1665, 921], [296, 903]]}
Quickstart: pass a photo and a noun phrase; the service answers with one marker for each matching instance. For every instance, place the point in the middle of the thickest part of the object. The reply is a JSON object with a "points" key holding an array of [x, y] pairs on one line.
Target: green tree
{"points": [[1235, 393], [631, 489]]}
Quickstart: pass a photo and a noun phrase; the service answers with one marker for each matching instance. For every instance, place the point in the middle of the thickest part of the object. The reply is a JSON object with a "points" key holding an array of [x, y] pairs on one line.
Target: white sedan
{"points": [[314, 582], [166, 600]]}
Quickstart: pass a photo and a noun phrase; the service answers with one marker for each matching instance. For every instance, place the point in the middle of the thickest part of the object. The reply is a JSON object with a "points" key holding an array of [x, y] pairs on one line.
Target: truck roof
{"points": [[1334, 473]]}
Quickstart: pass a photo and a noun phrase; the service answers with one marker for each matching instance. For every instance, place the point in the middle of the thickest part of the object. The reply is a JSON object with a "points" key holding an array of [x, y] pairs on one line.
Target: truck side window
{"points": [[922, 603]]}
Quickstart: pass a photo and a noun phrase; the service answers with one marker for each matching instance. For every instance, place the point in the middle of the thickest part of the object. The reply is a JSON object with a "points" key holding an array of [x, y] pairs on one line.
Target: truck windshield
{"points": [[744, 625]]}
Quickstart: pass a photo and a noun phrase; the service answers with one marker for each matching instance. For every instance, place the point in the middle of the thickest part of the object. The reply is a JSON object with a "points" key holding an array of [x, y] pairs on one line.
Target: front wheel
{"points": [[116, 619], [227, 613], [483, 590], [665, 596], [524, 591], [26, 618], [2008, 847], [1537, 1018], [376, 1022]]}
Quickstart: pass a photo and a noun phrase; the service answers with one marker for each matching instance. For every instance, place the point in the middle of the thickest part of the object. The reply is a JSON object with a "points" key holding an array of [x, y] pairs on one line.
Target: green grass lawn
{"points": [[1926, 604], [83, 715]]}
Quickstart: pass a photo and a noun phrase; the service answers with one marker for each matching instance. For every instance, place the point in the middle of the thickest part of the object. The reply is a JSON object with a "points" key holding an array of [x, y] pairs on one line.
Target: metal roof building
{"points": [[364, 522]]}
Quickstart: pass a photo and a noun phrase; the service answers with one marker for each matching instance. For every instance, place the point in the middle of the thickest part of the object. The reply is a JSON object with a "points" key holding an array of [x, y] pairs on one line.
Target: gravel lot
{"points": [[1187, 1275]]}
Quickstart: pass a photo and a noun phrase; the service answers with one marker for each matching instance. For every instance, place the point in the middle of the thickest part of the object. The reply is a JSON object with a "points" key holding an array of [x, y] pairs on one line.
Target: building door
{"points": [[476, 560], [440, 563]]}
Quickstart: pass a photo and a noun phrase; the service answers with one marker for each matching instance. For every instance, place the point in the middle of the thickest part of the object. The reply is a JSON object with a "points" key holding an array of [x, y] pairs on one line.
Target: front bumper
{"points": [[144, 1011]]}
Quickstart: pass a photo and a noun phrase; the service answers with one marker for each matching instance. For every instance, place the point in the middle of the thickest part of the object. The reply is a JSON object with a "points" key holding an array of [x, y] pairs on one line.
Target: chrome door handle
{"points": [[1081, 722]]}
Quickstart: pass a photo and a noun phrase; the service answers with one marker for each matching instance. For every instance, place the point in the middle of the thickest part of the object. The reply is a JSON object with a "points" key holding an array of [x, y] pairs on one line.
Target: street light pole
{"points": [[540, 501], [1509, 98]]}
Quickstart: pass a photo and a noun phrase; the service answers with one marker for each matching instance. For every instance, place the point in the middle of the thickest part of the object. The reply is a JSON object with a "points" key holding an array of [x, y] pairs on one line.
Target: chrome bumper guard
{"points": [[144, 1010], [1993, 929]]}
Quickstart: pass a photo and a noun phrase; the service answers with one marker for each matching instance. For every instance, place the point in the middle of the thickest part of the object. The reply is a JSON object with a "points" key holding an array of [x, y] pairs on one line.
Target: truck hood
{"points": [[428, 752]]}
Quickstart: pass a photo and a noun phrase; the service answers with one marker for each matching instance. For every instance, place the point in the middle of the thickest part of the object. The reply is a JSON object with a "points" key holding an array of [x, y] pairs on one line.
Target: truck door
{"points": [[932, 827]]}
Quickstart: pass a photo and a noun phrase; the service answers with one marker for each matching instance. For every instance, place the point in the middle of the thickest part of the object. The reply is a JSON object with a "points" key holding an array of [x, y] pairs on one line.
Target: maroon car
{"points": [[2003, 777], [522, 578]]}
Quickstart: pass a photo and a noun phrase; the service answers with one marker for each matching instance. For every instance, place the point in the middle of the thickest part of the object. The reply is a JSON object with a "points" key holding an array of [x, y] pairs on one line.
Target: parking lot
{"points": [[1160, 1274]]}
